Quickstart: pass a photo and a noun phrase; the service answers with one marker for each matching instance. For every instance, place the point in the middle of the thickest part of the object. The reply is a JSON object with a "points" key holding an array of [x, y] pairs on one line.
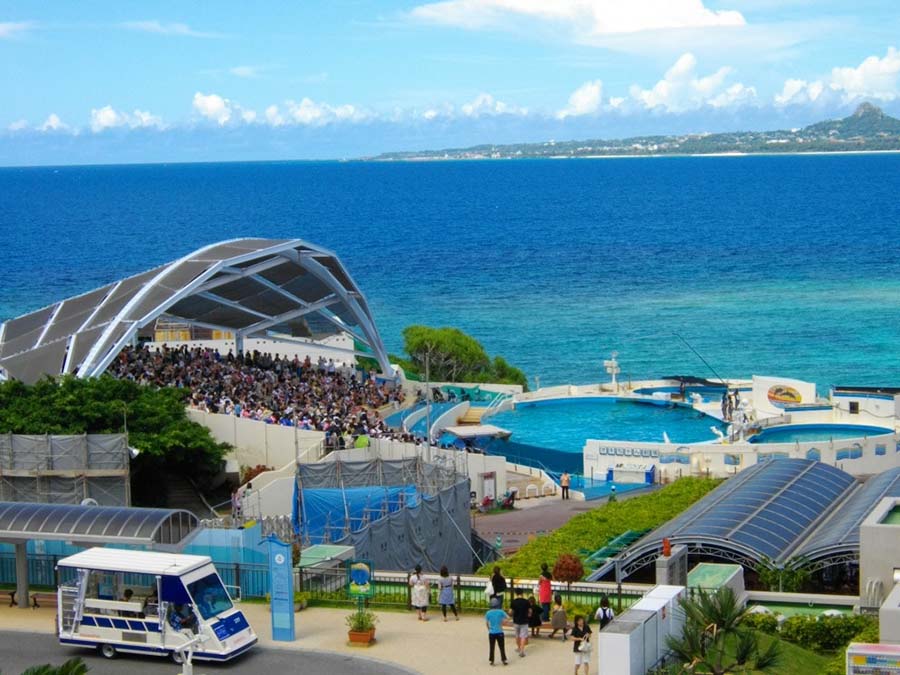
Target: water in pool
{"points": [[566, 425], [793, 433]]}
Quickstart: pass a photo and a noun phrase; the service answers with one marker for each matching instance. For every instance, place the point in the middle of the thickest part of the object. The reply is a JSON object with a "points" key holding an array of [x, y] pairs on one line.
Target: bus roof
{"points": [[142, 562]]}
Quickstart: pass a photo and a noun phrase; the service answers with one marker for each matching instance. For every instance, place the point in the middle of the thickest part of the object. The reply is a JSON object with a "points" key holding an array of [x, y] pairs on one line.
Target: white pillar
{"points": [[22, 575]]}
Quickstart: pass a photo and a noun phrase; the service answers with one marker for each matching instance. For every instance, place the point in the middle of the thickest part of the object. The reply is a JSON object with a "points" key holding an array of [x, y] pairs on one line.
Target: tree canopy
{"points": [[155, 419], [454, 356]]}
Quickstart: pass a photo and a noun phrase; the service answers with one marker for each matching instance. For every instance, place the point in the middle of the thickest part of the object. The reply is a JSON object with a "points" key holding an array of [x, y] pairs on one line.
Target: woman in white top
{"points": [[421, 590]]}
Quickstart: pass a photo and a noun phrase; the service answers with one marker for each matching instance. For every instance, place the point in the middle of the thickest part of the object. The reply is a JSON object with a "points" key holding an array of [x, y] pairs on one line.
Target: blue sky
{"points": [[178, 81]]}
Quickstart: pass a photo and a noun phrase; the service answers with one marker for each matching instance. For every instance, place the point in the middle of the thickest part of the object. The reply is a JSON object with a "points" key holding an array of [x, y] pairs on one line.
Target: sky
{"points": [[104, 82]]}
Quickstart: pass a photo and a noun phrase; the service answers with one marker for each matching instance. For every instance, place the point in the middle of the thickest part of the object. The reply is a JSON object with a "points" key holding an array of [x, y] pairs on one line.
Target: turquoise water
{"points": [[777, 265], [816, 432], [566, 425]]}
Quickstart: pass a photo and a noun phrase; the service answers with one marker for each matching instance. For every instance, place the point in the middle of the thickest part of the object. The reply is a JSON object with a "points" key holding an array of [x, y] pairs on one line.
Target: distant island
{"points": [[868, 129]]}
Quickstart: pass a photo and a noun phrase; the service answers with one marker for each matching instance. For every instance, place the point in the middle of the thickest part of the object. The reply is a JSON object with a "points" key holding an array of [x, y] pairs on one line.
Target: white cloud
{"points": [[681, 89], [876, 77], [273, 116], [308, 112], [248, 116], [160, 28], [584, 101], [244, 71], [213, 107], [584, 17], [108, 117], [11, 29], [485, 105], [53, 123], [18, 125]]}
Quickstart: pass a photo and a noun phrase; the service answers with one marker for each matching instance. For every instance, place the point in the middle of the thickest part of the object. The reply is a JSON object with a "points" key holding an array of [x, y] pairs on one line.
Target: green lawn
{"points": [[796, 660]]}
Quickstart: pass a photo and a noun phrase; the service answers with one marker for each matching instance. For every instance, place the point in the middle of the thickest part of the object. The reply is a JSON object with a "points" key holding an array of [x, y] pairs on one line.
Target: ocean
{"points": [[785, 265]]}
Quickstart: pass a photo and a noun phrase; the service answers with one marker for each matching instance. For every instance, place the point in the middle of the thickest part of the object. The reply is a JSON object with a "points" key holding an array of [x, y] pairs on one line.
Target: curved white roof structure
{"points": [[274, 288]]}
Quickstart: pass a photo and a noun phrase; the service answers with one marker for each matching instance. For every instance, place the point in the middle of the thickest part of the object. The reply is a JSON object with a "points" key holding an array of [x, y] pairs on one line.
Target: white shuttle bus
{"points": [[147, 602]]}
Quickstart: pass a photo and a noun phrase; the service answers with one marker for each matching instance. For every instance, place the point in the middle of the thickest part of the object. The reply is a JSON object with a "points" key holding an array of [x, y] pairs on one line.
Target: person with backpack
{"points": [[604, 613]]}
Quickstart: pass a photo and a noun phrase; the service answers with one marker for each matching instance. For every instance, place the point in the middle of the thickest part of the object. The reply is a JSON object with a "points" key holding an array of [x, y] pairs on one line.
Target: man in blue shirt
{"points": [[494, 619]]}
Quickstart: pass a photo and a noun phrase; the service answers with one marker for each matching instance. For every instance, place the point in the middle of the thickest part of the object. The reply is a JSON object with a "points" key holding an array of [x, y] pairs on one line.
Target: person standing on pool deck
{"points": [[564, 481], [494, 619], [420, 591], [445, 597]]}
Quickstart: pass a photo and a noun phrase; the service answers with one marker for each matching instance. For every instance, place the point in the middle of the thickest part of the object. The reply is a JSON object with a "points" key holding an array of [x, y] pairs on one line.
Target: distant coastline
{"points": [[867, 130], [633, 156]]}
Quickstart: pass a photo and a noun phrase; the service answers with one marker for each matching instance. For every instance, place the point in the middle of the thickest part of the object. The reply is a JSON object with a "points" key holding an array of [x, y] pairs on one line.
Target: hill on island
{"points": [[868, 129]]}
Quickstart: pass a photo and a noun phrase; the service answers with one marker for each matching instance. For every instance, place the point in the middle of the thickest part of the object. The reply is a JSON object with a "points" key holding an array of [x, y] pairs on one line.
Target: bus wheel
{"points": [[107, 651], [177, 657]]}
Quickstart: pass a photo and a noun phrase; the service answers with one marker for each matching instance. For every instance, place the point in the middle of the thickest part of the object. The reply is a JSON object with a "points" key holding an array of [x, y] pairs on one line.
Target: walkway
{"points": [[431, 648]]}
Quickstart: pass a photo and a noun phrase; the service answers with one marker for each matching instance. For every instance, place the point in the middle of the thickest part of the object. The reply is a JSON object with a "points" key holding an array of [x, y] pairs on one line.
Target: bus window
{"points": [[210, 596]]}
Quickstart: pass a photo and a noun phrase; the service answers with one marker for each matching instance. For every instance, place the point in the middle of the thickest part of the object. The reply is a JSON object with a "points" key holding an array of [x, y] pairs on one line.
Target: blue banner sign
{"points": [[281, 589]]}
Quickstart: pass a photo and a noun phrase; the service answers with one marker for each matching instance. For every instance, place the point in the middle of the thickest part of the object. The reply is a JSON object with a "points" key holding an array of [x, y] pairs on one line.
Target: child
{"points": [[535, 618]]}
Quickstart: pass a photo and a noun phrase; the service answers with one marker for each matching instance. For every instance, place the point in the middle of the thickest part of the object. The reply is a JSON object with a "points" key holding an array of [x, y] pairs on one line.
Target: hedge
{"points": [[591, 530]]}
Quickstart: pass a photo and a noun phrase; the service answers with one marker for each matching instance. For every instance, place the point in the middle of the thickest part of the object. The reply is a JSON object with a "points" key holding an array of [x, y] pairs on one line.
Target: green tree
{"points": [[155, 419], [788, 578], [715, 641], [454, 356]]}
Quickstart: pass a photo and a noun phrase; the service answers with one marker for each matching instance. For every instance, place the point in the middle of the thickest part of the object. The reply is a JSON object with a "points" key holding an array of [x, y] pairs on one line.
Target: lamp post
{"points": [[428, 406]]}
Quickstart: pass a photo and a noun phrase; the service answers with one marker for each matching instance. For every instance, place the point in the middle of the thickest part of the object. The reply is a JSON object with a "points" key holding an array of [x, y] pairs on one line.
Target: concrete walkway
{"points": [[432, 647]]}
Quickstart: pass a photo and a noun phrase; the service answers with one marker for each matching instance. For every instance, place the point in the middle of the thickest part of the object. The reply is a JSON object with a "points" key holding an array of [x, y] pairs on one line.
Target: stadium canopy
{"points": [[779, 509], [280, 289]]}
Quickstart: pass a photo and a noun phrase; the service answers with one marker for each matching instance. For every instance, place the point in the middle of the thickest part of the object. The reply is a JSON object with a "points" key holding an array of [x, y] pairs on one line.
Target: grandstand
{"points": [[249, 288], [781, 510]]}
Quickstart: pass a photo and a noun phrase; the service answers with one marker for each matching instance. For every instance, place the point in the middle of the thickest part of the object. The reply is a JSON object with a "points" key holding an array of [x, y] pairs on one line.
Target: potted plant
{"points": [[362, 626], [301, 599]]}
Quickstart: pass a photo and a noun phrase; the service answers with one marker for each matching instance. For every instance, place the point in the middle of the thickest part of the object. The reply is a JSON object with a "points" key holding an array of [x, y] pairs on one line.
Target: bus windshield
{"points": [[210, 596]]}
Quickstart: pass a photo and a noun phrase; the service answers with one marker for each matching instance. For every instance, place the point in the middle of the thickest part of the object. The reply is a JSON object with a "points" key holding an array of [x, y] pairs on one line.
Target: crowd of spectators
{"points": [[336, 399]]}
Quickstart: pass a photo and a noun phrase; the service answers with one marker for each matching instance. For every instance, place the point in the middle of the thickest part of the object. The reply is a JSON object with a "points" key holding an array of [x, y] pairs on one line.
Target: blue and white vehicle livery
{"points": [[176, 602]]}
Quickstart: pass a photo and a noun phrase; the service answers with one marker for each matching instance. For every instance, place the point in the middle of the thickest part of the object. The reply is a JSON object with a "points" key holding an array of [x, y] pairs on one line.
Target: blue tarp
{"points": [[324, 511]]}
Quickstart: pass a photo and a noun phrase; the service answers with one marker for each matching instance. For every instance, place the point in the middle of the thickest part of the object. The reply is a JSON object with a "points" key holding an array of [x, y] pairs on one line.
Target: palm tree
{"points": [[71, 667], [714, 641]]}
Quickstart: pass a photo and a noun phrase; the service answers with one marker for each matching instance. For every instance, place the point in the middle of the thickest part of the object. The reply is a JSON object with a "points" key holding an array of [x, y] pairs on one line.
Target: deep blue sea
{"points": [[768, 265]]}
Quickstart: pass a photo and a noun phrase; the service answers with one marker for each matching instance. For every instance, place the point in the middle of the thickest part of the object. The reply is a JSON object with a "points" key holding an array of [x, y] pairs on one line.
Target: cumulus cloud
{"points": [[273, 116], [108, 117], [584, 101], [213, 107], [160, 28], [485, 104], [11, 29], [588, 17], [53, 123], [876, 77], [682, 89]]}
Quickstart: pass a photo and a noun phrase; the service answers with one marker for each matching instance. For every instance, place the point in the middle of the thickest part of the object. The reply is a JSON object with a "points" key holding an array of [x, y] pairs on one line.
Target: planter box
{"points": [[361, 638]]}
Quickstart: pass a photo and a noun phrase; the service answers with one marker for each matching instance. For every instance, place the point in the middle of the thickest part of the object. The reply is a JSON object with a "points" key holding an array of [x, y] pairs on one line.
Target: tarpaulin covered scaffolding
{"points": [[65, 469], [396, 513]]}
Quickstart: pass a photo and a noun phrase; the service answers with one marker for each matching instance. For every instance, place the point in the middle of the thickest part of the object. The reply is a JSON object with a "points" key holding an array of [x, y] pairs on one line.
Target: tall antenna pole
{"points": [[701, 358]]}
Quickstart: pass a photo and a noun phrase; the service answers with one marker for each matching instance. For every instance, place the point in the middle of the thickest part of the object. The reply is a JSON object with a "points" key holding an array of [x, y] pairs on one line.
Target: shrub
{"points": [[824, 633], [767, 623], [838, 665], [568, 568], [361, 621], [248, 473]]}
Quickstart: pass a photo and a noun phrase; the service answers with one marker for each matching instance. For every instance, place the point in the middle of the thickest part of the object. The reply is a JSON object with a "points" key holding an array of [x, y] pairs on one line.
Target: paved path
{"points": [[19, 651], [403, 645]]}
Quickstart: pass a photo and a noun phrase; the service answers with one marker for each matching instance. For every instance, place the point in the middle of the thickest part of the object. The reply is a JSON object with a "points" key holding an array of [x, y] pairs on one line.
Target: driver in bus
{"points": [[182, 618]]}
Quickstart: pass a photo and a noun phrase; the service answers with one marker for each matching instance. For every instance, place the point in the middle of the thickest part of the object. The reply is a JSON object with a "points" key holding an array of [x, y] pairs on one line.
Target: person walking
{"points": [[604, 613], [494, 619], [581, 634], [564, 482], [558, 618], [521, 609], [420, 592], [498, 582], [545, 591], [445, 596]]}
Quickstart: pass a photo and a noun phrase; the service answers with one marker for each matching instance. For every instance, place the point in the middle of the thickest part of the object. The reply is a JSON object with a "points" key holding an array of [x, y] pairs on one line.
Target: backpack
{"points": [[606, 615]]}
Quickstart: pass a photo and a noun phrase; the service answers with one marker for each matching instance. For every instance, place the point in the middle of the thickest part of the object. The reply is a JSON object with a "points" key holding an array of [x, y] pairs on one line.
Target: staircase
{"points": [[181, 494], [70, 608], [472, 416]]}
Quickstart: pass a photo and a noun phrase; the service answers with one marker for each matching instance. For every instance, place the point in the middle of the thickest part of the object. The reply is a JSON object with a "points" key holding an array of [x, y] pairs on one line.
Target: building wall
{"points": [[879, 554]]}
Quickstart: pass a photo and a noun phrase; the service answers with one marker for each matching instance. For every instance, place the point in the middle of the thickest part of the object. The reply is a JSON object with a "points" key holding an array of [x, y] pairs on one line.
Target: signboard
{"points": [[281, 589], [360, 579], [873, 659], [489, 481]]}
